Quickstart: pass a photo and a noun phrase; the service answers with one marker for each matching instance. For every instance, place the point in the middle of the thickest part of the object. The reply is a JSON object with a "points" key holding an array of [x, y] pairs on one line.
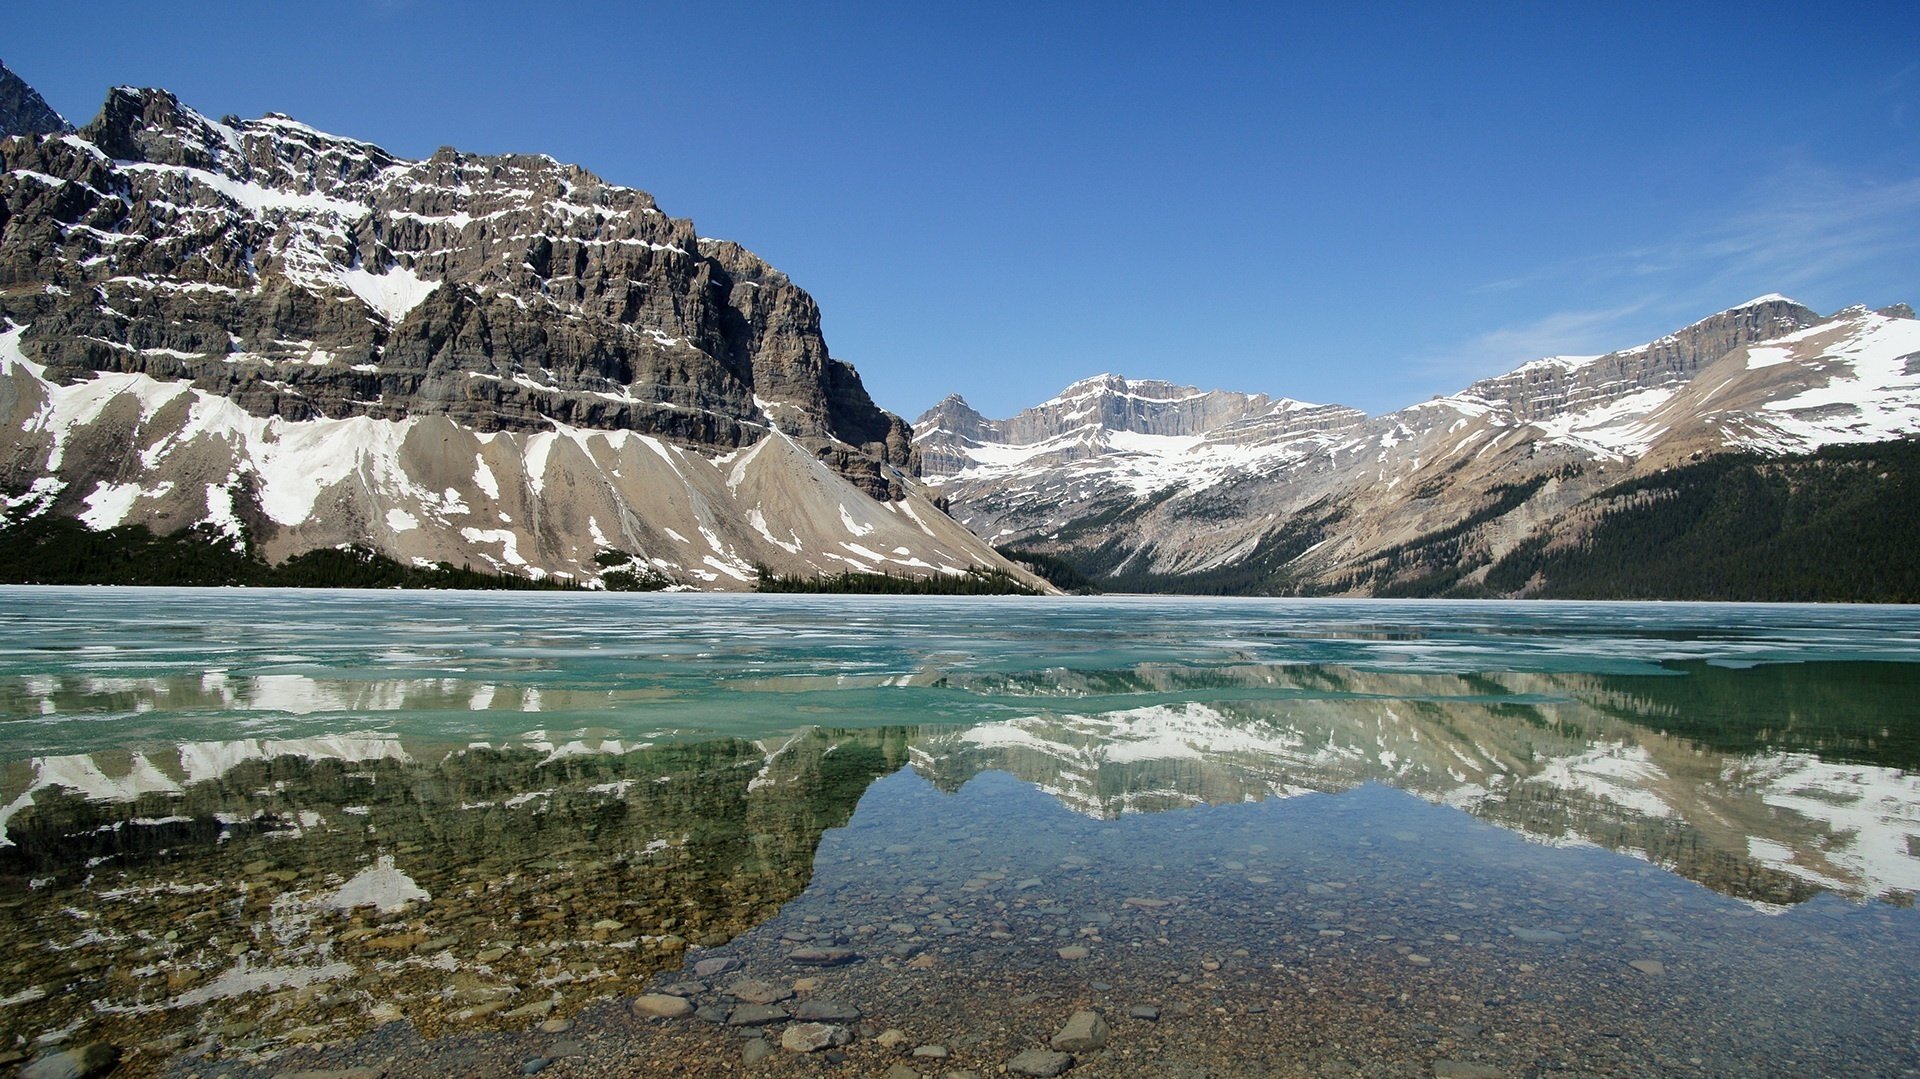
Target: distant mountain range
{"points": [[1651, 462], [279, 340]]}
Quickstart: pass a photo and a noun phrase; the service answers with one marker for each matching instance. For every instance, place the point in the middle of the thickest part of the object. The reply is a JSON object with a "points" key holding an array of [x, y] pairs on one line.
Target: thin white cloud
{"points": [[1558, 333], [1805, 227], [1802, 230], [1799, 228]]}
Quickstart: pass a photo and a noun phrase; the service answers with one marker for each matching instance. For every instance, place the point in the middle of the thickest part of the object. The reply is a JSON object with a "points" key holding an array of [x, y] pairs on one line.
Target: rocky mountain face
{"points": [[295, 340], [23, 111], [1300, 498]]}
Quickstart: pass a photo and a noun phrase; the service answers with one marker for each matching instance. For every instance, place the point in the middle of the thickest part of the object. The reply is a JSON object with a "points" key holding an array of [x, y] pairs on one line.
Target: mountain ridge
{"points": [[295, 340], [1330, 500]]}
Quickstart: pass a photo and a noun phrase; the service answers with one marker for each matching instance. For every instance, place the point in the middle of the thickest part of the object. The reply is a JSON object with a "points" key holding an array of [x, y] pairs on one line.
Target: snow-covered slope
{"points": [[298, 340], [1322, 494], [1109, 436], [130, 448]]}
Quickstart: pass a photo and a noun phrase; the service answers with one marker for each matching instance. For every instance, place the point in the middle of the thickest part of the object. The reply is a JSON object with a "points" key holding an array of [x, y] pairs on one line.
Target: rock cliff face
{"points": [[1287, 497], [298, 340], [23, 111]]}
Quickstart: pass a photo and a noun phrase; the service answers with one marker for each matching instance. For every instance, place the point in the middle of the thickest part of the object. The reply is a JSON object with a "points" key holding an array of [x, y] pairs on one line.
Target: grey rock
{"points": [[813, 1037], [1145, 1011], [714, 966], [755, 1050], [755, 991], [931, 1052], [661, 1006], [1040, 1062], [823, 957], [97, 1058], [1085, 1031], [535, 1066], [475, 295], [1463, 1069], [23, 111], [757, 1015], [1537, 936], [826, 1010]]}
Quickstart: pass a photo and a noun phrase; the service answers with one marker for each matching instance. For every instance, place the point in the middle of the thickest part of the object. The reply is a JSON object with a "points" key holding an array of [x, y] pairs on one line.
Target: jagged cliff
{"points": [[23, 111], [297, 340]]}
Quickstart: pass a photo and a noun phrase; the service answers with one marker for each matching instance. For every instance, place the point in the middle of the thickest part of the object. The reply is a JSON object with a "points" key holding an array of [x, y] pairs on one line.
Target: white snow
{"points": [[392, 294], [255, 197], [1869, 818], [1615, 771], [1619, 428], [1874, 374], [109, 504]]}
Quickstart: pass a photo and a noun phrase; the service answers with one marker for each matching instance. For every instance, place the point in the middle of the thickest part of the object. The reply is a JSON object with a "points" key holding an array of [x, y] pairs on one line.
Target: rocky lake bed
{"points": [[1311, 854]]}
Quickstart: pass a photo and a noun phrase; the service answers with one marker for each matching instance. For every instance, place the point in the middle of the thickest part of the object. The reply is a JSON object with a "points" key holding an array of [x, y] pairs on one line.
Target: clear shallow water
{"points": [[558, 796]]}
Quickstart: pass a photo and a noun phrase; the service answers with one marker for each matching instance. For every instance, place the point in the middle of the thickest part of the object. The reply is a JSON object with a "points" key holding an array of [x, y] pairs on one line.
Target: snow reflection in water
{"points": [[561, 796]]}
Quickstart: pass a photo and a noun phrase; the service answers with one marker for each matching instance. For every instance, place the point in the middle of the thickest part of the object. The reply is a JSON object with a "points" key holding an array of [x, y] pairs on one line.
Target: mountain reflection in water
{"points": [[296, 840], [510, 879]]}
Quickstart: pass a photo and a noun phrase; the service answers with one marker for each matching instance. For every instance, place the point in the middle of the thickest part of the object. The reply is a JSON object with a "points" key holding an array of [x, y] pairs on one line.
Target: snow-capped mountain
{"points": [[296, 340], [1150, 483]]}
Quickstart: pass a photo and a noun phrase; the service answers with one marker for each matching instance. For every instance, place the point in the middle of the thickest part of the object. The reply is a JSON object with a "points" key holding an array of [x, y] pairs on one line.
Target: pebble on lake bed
{"points": [[813, 1037], [823, 957], [1084, 1032], [1042, 1063], [661, 1006], [98, 1058]]}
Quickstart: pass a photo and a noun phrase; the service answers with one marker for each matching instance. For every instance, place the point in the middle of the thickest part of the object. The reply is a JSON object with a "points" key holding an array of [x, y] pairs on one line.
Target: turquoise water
{"points": [[82, 669], [550, 798]]}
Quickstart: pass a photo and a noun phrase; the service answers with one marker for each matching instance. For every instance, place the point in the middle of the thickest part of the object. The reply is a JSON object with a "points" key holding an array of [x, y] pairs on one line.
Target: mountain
{"points": [[23, 111], [1151, 486], [287, 340]]}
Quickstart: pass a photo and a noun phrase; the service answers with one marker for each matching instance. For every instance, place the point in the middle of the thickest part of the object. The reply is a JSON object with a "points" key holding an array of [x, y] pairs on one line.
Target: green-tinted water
{"points": [[243, 822]]}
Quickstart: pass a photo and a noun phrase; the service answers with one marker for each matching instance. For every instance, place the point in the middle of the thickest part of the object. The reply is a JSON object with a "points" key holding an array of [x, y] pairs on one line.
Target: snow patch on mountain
{"points": [[392, 293]]}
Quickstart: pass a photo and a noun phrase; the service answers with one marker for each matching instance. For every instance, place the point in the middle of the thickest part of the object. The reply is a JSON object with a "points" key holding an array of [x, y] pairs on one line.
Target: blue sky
{"points": [[1369, 205]]}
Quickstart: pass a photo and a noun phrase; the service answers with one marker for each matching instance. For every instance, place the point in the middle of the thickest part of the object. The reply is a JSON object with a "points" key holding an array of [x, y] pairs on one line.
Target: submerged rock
{"points": [[1043, 1063], [661, 1006], [812, 1037], [85, 1062], [1085, 1031], [823, 957]]}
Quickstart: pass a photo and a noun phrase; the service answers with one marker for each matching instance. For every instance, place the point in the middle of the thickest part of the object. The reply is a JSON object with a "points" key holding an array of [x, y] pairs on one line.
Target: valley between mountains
{"points": [[251, 340]]}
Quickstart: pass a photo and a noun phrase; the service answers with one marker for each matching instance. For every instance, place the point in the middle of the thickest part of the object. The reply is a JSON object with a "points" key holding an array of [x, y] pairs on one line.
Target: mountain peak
{"points": [[1771, 297], [508, 324], [23, 111]]}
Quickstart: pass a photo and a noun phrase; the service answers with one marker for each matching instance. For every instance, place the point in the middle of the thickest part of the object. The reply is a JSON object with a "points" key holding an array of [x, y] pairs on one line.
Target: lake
{"points": [[260, 832]]}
